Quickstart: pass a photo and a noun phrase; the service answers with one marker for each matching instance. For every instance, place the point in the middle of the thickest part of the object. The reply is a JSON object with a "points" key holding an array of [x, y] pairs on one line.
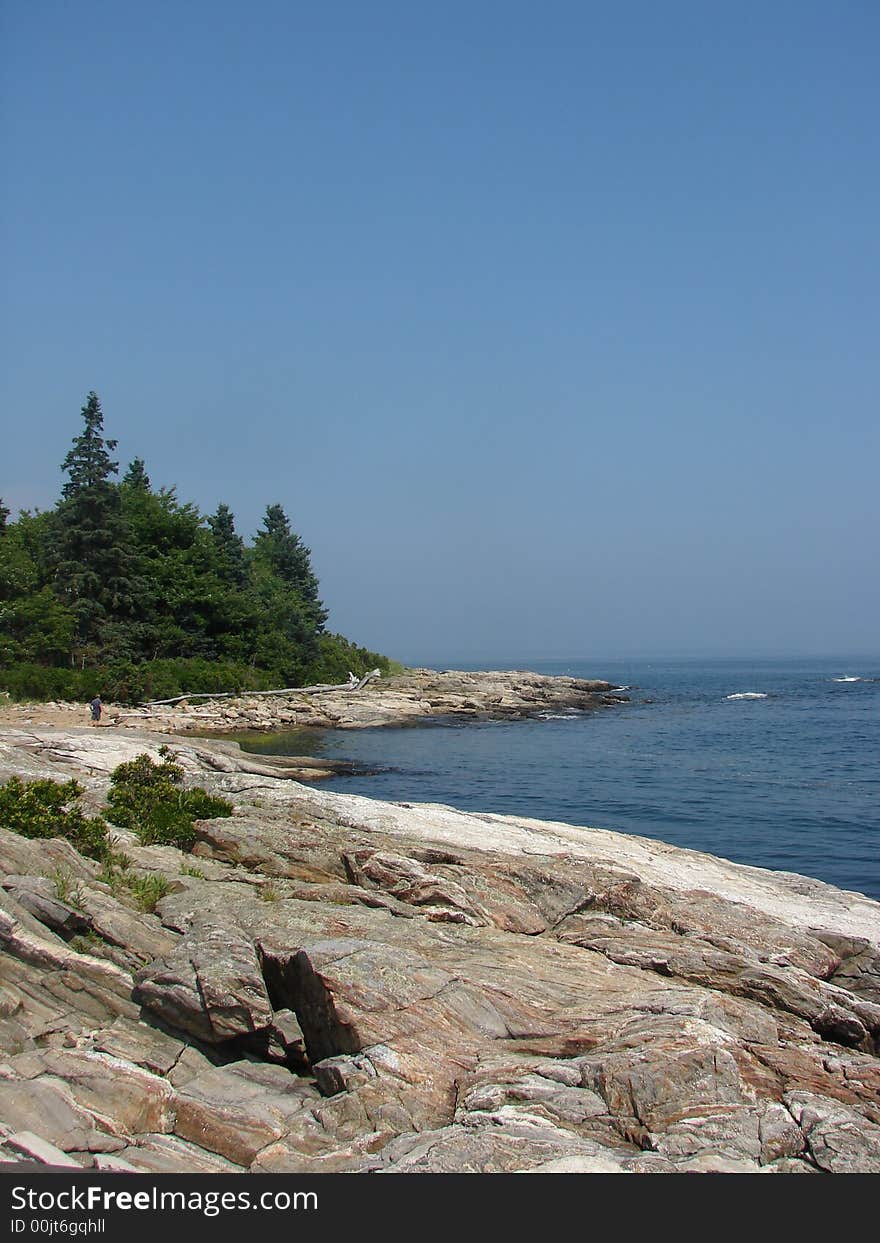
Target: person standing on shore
{"points": [[95, 707]]}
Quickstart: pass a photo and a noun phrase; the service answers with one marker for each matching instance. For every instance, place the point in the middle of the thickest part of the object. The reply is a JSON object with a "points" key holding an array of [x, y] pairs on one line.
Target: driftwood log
{"points": [[321, 689]]}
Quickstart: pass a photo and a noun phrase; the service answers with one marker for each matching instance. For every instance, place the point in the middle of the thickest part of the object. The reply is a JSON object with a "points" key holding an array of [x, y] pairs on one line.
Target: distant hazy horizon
{"points": [[552, 330], [507, 660]]}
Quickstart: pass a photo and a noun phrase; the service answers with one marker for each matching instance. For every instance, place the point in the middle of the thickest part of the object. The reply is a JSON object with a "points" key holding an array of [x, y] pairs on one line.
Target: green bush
{"points": [[41, 809], [164, 679], [337, 656], [67, 888], [146, 798], [147, 890], [129, 682], [125, 682], [39, 682]]}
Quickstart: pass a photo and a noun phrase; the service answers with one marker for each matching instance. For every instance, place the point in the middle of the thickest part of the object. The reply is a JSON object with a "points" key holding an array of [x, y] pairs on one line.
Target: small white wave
{"points": [[558, 716], [846, 679], [748, 695]]}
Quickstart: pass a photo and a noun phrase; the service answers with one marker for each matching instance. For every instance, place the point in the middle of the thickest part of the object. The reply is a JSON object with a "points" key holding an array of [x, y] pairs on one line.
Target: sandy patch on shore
{"points": [[58, 714]]}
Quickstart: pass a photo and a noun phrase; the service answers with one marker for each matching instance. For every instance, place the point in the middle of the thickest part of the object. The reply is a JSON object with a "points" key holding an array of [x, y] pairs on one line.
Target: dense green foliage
{"points": [[148, 890], [50, 809], [146, 797], [126, 591]]}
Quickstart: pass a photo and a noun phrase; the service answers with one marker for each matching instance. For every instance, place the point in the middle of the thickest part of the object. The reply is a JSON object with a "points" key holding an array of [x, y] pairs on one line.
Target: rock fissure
{"points": [[720, 1018]]}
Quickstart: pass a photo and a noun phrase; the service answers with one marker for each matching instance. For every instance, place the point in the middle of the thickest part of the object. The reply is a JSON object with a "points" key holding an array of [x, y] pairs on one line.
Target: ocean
{"points": [[772, 763]]}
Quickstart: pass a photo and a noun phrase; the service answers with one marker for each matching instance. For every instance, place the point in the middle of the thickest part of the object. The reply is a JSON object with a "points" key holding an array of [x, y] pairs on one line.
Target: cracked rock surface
{"points": [[334, 983]]}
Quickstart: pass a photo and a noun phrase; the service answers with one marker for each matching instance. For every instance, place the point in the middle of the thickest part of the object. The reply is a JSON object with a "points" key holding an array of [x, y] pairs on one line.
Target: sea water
{"points": [[769, 763]]}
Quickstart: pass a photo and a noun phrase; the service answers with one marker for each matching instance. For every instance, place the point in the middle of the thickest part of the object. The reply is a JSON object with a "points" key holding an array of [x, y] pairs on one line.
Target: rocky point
{"points": [[335, 983]]}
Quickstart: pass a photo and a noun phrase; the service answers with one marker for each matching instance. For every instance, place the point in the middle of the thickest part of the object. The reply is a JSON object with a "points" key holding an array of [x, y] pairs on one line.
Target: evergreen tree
{"points": [[88, 463], [284, 553], [145, 597], [292, 616], [92, 542], [167, 545], [230, 546], [136, 476], [34, 626]]}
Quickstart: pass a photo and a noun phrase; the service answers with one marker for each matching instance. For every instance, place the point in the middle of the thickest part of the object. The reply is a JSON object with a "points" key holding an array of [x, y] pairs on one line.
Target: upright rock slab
{"points": [[210, 986]]}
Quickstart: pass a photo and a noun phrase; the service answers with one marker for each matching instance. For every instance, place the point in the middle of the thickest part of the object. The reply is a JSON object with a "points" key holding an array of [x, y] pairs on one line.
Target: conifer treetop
{"points": [[136, 476], [88, 464]]}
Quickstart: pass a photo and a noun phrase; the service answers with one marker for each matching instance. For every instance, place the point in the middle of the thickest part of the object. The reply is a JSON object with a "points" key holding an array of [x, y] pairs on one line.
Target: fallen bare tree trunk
{"points": [[321, 689]]}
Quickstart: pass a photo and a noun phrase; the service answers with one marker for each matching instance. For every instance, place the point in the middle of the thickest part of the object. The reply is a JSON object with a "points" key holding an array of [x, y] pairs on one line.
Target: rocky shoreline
{"points": [[417, 697], [335, 983]]}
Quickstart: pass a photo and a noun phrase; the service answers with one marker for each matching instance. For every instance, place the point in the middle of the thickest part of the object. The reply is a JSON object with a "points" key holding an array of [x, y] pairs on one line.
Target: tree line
{"points": [[124, 590]]}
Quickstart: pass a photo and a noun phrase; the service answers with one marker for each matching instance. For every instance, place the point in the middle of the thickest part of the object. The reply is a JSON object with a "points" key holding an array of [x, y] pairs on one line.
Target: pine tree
{"points": [[152, 596], [286, 555], [88, 463], [230, 546], [292, 616], [91, 548], [34, 626], [136, 476]]}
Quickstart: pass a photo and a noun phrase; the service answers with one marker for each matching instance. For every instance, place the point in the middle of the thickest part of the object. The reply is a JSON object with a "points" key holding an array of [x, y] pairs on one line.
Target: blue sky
{"points": [[554, 328]]}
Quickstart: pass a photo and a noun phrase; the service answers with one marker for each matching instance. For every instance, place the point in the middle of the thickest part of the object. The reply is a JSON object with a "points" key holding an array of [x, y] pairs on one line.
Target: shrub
{"points": [[337, 656], [39, 682], [129, 682], [114, 877], [144, 888], [145, 797], [67, 888], [163, 679], [44, 808], [148, 890]]}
